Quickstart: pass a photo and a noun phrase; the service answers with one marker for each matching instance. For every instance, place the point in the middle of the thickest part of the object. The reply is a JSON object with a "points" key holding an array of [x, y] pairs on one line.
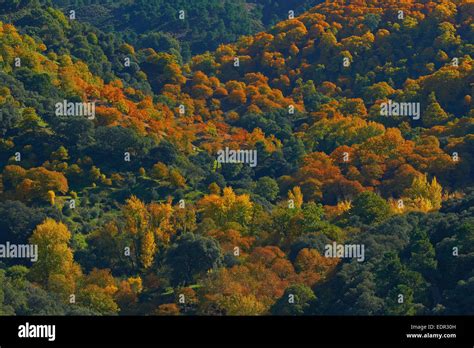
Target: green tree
{"points": [[434, 113], [192, 255], [370, 208], [422, 253], [295, 301], [267, 188]]}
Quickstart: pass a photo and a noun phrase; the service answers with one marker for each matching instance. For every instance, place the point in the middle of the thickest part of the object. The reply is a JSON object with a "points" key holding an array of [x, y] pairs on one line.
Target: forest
{"points": [[132, 210]]}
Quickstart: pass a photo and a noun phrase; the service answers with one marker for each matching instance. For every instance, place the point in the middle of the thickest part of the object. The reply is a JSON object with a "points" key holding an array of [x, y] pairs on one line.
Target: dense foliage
{"points": [[133, 214], [202, 26]]}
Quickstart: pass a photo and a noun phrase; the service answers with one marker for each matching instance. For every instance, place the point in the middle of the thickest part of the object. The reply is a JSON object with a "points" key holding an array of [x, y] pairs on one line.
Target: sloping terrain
{"points": [[134, 208]]}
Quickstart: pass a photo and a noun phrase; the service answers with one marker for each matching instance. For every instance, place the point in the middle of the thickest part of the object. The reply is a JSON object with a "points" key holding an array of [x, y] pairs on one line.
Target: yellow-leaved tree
{"points": [[295, 197], [55, 268], [138, 227], [228, 207], [423, 195]]}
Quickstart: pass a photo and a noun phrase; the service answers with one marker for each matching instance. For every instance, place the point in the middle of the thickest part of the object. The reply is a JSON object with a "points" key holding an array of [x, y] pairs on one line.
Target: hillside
{"points": [[138, 209], [162, 24]]}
